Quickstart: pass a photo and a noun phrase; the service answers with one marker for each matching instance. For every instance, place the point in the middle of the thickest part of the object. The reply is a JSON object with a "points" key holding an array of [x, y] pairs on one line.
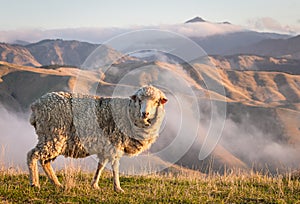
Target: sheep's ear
{"points": [[163, 100], [133, 97]]}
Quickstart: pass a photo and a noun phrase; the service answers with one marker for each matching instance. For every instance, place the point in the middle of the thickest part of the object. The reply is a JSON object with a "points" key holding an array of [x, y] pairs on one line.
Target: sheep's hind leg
{"points": [[32, 158], [115, 167], [101, 166], [50, 172]]}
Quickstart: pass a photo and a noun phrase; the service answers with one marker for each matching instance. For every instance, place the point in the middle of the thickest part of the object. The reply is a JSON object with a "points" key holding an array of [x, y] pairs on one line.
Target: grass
{"points": [[250, 188]]}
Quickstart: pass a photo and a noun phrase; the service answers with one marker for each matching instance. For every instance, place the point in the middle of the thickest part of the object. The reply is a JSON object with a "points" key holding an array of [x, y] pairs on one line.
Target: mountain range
{"points": [[47, 52], [74, 53], [61, 52]]}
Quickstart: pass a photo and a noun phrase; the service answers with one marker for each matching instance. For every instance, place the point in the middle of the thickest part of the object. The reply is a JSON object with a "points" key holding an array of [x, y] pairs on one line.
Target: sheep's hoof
{"points": [[59, 186], [35, 186], [95, 186], [118, 190]]}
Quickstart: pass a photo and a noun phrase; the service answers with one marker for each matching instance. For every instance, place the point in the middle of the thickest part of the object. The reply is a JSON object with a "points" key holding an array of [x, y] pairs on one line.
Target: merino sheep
{"points": [[77, 125]]}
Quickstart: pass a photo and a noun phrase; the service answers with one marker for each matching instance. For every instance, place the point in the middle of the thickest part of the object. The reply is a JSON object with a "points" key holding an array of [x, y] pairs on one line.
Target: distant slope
{"points": [[55, 52], [17, 55], [229, 44], [256, 63], [21, 85], [48, 52], [71, 52], [288, 48], [274, 89]]}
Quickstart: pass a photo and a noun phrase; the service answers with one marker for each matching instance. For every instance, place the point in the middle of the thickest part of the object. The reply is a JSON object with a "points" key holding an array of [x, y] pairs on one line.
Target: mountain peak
{"points": [[197, 19], [226, 22]]}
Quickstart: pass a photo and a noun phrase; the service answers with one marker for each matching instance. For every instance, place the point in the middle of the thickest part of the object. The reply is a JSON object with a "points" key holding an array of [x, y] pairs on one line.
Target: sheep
{"points": [[77, 125]]}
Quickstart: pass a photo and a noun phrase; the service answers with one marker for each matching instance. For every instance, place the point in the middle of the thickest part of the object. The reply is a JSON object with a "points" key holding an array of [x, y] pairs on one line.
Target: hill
{"points": [[170, 188], [286, 48], [262, 120], [244, 62], [61, 52], [53, 52], [233, 41], [17, 54]]}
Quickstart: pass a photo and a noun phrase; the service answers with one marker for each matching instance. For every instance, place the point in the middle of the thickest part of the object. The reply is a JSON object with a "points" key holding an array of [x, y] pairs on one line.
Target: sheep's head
{"points": [[148, 99]]}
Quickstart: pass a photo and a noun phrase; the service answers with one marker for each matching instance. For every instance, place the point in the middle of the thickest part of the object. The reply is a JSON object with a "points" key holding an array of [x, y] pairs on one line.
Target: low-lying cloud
{"points": [[269, 24], [16, 138], [100, 35], [258, 148]]}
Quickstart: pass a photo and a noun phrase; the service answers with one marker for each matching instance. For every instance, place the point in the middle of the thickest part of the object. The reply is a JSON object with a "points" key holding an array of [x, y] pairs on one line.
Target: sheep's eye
{"points": [[140, 101]]}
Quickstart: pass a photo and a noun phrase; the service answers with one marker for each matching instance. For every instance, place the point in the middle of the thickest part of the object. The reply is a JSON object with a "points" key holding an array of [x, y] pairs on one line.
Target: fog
{"points": [[100, 35], [16, 138], [260, 148]]}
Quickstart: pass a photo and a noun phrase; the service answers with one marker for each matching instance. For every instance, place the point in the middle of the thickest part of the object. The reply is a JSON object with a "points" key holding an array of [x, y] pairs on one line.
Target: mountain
{"points": [[58, 52], [61, 52], [74, 53], [17, 54], [288, 48], [225, 22], [47, 52], [21, 85], [195, 20], [216, 38], [243, 62], [230, 43], [198, 19]]}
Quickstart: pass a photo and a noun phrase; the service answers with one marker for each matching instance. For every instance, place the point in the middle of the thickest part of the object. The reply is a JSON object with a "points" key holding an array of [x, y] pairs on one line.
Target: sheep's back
{"points": [[52, 113]]}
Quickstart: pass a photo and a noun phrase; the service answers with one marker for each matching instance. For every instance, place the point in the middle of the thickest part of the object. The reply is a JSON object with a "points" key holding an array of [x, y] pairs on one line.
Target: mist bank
{"points": [[100, 35]]}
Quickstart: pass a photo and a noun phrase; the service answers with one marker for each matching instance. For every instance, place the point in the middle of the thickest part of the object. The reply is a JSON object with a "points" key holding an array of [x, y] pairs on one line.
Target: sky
{"points": [[267, 15]]}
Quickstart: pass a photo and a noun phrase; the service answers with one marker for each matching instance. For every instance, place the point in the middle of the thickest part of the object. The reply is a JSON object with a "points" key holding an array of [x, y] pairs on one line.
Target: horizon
{"points": [[33, 14], [102, 35]]}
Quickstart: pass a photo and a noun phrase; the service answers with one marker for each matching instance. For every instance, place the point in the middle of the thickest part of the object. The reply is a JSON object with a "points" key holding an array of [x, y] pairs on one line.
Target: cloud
{"points": [[271, 25], [83, 34], [202, 29], [16, 138], [254, 146], [99, 35]]}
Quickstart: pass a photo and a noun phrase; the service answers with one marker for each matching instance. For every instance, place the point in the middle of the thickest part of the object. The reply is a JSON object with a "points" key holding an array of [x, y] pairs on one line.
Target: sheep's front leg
{"points": [[101, 166], [115, 167]]}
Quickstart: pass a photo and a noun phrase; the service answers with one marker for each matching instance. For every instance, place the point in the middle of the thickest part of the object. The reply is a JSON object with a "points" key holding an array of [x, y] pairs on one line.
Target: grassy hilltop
{"points": [[233, 188]]}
